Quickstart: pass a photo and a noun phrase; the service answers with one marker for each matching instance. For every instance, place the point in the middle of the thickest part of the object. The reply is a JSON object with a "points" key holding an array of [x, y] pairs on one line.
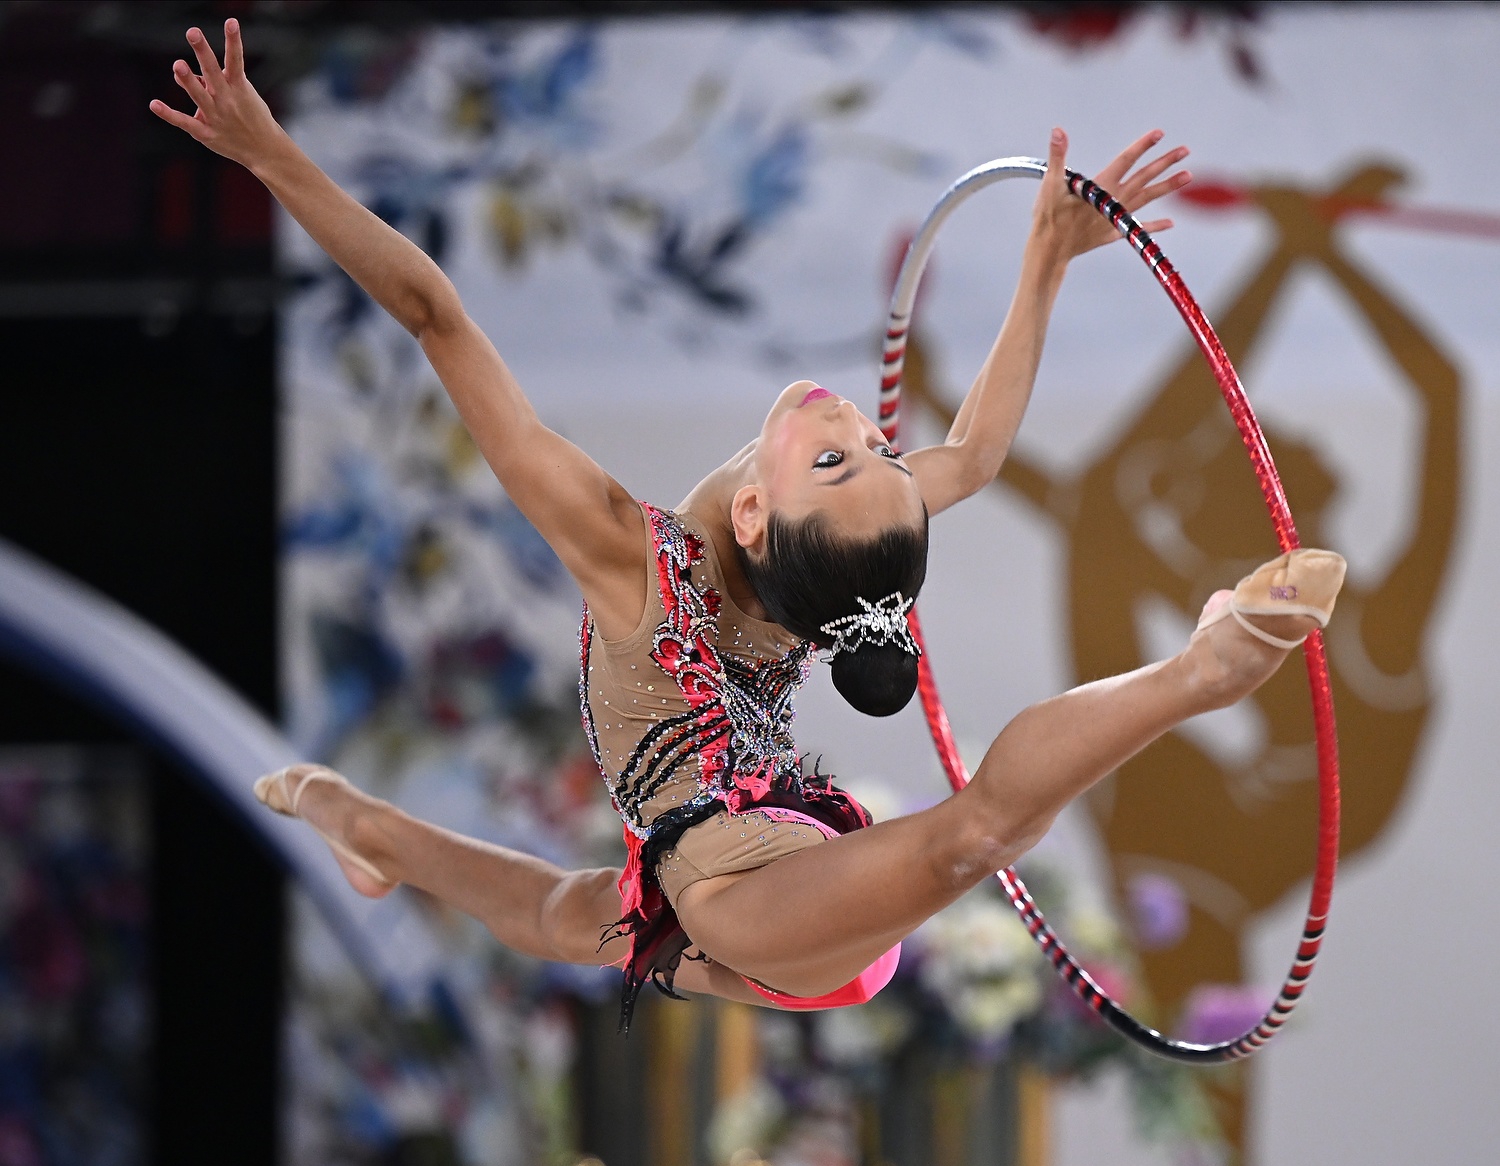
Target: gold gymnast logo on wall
{"points": [[1168, 513]]}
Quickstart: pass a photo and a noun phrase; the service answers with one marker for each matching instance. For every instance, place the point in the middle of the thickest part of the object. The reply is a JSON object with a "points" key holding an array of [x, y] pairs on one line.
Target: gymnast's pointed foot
{"points": [[284, 791], [1243, 635]]}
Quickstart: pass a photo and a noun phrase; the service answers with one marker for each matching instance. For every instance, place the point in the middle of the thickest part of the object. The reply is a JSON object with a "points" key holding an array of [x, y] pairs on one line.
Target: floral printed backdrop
{"points": [[660, 223]]}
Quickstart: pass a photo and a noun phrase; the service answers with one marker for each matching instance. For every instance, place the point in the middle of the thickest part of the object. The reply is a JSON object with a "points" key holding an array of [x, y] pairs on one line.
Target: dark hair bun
{"points": [[877, 680], [808, 577]]}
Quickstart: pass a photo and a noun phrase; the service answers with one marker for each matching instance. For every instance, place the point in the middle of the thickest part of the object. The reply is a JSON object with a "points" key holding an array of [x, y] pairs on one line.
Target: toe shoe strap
{"points": [[1264, 636]]}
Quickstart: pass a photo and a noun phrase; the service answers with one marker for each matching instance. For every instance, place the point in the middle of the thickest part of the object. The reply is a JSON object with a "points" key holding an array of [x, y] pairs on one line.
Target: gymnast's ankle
{"points": [[363, 830]]}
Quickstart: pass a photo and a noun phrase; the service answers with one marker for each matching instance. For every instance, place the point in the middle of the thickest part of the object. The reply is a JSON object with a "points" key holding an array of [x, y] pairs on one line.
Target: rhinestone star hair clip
{"points": [[880, 623]]}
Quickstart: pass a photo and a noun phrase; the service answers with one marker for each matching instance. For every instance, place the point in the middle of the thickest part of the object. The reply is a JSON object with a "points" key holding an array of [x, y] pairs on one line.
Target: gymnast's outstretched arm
{"points": [[1063, 227], [589, 519]]}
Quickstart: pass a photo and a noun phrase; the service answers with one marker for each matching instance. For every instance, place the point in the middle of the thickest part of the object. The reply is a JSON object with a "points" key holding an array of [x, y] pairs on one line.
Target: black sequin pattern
{"points": [[734, 741]]}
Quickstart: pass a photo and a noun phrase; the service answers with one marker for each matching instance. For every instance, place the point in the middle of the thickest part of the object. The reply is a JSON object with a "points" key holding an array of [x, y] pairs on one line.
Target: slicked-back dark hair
{"points": [[809, 575]]}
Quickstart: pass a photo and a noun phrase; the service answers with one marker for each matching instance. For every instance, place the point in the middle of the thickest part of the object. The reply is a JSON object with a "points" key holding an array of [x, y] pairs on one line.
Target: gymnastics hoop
{"points": [[893, 359]]}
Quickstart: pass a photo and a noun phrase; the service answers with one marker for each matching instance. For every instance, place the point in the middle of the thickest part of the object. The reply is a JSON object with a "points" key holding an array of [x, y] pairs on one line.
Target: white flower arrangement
{"points": [[977, 958]]}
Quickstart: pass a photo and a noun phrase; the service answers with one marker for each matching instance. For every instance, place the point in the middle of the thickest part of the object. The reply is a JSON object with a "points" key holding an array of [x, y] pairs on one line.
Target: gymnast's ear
{"points": [[750, 514]]}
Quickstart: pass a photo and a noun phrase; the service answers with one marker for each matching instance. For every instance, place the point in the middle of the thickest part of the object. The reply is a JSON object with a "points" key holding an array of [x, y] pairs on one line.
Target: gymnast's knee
{"points": [[963, 857], [577, 914], [976, 849]]}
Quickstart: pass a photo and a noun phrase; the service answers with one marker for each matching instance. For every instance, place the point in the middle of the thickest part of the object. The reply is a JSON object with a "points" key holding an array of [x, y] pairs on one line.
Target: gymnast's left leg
{"points": [[527, 903]]}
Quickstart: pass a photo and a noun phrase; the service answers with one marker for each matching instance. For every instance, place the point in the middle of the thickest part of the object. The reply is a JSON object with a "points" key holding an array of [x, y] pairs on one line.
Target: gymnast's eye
{"points": [[886, 451], [828, 459]]}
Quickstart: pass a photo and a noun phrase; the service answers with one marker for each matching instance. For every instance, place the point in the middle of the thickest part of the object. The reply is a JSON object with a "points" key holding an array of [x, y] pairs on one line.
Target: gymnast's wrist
{"points": [[1047, 254], [1047, 245], [272, 156]]}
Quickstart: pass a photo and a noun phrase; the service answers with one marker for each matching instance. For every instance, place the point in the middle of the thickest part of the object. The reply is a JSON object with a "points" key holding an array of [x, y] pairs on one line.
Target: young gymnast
{"points": [[748, 878]]}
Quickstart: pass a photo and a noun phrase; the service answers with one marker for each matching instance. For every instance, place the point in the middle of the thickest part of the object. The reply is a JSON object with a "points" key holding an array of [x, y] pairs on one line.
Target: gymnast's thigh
{"points": [[838, 905], [582, 909]]}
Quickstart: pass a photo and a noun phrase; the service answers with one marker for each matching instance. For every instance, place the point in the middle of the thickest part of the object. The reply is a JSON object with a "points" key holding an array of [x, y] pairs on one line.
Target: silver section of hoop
{"points": [[904, 294]]}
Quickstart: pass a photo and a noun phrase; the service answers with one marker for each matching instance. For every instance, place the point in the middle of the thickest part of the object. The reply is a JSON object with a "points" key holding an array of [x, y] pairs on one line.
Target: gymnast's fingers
{"points": [[191, 84], [208, 63], [1110, 176], [1157, 226], [183, 121], [1153, 169], [1057, 152], [234, 51], [1152, 193]]}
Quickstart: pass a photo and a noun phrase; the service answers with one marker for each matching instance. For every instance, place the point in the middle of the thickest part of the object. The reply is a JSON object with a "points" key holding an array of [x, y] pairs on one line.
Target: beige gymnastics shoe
{"points": [[1302, 582], [282, 790]]}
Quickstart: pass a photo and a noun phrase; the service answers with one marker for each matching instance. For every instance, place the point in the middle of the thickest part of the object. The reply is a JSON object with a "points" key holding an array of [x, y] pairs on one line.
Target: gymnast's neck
{"points": [[709, 502]]}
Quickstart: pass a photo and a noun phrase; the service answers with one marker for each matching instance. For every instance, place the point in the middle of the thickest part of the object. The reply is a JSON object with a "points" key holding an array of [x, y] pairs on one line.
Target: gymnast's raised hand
{"points": [[1078, 226], [700, 625]]}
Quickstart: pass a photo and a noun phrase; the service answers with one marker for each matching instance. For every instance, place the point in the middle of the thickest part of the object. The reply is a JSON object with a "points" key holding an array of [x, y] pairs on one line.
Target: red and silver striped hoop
{"points": [[902, 299]]}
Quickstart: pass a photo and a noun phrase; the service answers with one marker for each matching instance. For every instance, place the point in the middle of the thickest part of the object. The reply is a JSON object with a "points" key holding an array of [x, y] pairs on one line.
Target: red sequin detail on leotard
{"points": [[736, 731]]}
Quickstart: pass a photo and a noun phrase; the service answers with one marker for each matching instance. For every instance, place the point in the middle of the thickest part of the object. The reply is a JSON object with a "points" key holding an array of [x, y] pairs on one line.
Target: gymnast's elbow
{"points": [[431, 310], [977, 850], [977, 466], [990, 845]]}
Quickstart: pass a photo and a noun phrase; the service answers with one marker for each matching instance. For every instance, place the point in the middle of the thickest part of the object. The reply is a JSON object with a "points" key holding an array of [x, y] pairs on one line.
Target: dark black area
{"points": [[143, 465], [137, 453], [218, 958]]}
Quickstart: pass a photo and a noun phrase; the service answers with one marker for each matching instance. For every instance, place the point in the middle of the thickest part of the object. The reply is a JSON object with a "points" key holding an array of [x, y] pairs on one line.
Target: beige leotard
{"points": [[690, 717]]}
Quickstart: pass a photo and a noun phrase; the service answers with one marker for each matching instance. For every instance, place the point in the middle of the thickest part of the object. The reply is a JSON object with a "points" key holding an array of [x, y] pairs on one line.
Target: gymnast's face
{"points": [[818, 453]]}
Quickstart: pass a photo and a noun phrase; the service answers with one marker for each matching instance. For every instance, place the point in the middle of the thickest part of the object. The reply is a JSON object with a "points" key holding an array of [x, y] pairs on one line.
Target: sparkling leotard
{"points": [[690, 720]]}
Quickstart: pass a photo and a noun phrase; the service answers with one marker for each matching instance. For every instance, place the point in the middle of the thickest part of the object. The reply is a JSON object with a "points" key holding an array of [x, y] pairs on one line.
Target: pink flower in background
{"points": [[1221, 1012], [19, 791], [49, 953], [17, 1144], [1111, 979], [1159, 910]]}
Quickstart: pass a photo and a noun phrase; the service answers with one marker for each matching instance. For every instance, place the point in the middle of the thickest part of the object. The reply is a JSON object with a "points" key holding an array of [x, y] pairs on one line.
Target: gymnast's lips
{"points": [[815, 394]]}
